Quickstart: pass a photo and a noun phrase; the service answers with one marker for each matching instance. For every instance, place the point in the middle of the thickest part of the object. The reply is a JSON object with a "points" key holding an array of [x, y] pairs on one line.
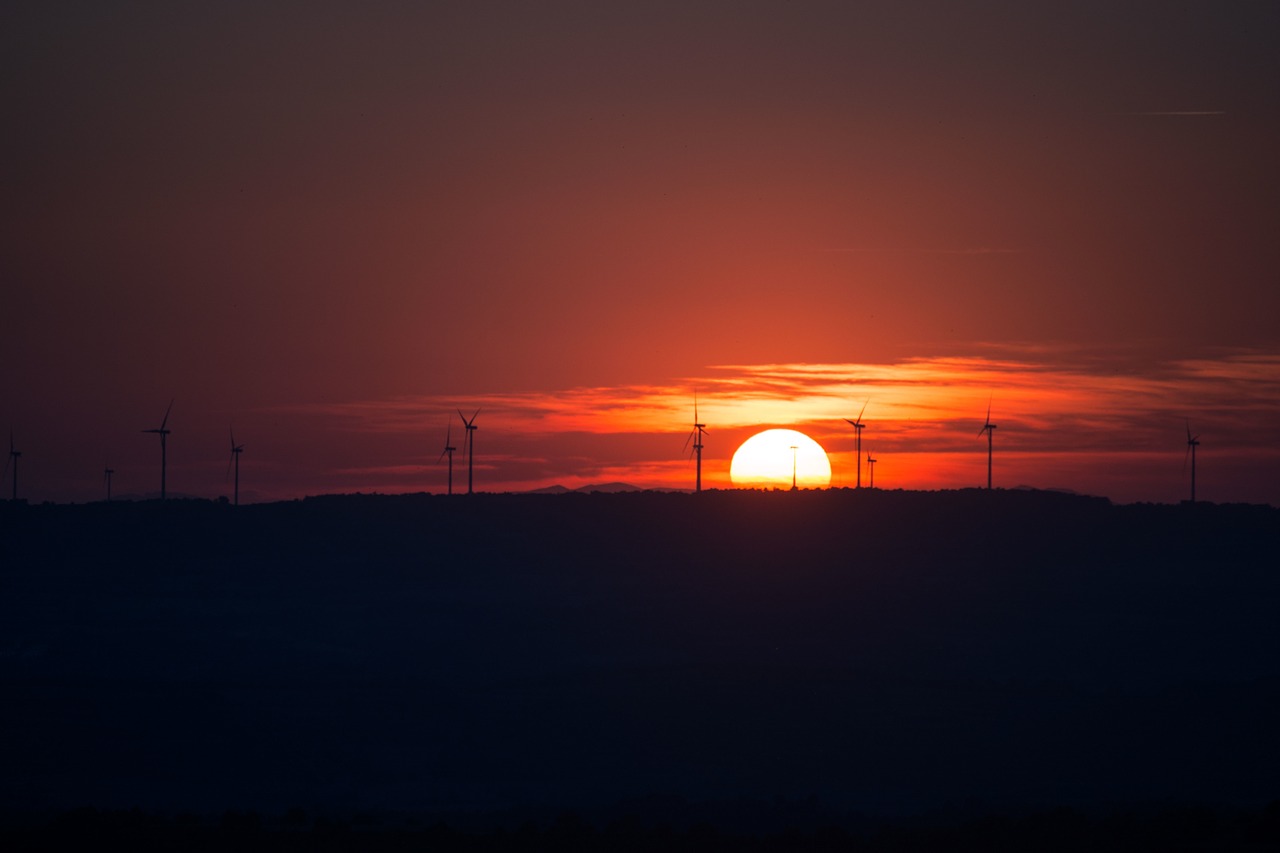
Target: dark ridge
{"points": [[791, 827], [876, 653]]}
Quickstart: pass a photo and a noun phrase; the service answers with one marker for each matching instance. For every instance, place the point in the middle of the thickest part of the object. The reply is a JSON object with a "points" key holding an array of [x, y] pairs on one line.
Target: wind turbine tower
{"points": [[858, 425], [106, 478], [1192, 443], [236, 450], [14, 456], [164, 434], [448, 451], [990, 429], [871, 466], [794, 448], [469, 445], [695, 435]]}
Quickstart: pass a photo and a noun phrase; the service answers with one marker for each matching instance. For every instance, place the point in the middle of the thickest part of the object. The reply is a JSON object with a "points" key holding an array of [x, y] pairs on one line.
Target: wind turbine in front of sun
{"points": [[1192, 443], [858, 425], [990, 429], [468, 446], [448, 451], [163, 431], [695, 435], [236, 450]]}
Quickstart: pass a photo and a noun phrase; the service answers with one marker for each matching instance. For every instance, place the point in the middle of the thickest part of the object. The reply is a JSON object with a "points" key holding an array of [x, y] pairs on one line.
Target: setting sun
{"points": [[780, 458]]}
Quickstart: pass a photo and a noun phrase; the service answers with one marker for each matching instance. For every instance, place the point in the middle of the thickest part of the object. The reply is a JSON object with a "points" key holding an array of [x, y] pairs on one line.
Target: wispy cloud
{"points": [[926, 250], [1180, 113]]}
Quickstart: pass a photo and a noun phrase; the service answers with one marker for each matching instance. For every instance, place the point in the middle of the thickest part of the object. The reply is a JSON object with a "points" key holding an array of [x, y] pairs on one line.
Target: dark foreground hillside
{"points": [[839, 655]]}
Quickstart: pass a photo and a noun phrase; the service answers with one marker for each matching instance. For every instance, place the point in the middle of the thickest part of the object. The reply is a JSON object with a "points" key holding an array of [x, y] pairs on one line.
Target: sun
{"points": [[765, 461]]}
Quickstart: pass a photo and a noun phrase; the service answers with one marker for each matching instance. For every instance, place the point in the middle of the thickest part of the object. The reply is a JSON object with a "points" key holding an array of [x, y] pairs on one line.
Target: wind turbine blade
{"points": [[864, 408], [230, 459], [166, 415], [687, 440]]}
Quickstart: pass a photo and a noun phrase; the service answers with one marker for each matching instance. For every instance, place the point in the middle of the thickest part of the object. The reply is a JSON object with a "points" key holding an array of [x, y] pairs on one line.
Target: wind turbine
{"points": [[695, 435], [163, 433], [106, 478], [468, 445], [871, 464], [1192, 443], [794, 448], [990, 429], [858, 425], [236, 450], [448, 450], [14, 456]]}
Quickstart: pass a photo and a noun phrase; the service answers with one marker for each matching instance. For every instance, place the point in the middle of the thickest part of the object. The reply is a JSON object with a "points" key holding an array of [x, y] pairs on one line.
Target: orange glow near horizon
{"points": [[1082, 427], [1070, 420]]}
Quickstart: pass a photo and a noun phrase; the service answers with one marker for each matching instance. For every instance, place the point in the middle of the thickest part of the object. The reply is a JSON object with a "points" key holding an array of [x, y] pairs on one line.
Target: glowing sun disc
{"points": [[764, 461]]}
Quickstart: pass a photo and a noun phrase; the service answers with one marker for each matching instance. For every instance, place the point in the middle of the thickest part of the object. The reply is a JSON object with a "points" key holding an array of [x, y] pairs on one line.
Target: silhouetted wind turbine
{"points": [[163, 433], [1192, 443], [236, 450], [990, 429], [695, 435], [106, 478], [871, 464], [468, 444], [794, 448], [14, 456], [858, 425], [448, 451]]}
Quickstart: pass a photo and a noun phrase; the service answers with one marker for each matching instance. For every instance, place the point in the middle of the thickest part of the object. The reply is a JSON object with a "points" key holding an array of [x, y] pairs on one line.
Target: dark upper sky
{"points": [[314, 202]]}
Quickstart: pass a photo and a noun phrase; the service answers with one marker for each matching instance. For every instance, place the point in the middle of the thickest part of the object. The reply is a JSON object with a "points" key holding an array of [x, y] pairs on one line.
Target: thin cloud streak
{"points": [[900, 250]]}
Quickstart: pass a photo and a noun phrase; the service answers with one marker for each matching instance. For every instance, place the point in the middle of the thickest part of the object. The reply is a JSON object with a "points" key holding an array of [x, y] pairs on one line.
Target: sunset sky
{"points": [[331, 225]]}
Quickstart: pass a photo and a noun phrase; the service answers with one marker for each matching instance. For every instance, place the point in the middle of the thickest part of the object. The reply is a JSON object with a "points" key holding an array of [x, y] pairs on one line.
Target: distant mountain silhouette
{"points": [[606, 488], [1061, 491], [609, 488]]}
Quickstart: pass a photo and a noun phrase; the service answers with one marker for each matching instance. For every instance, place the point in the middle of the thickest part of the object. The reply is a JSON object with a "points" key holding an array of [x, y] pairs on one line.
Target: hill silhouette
{"points": [[558, 489], [882, 653]]}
